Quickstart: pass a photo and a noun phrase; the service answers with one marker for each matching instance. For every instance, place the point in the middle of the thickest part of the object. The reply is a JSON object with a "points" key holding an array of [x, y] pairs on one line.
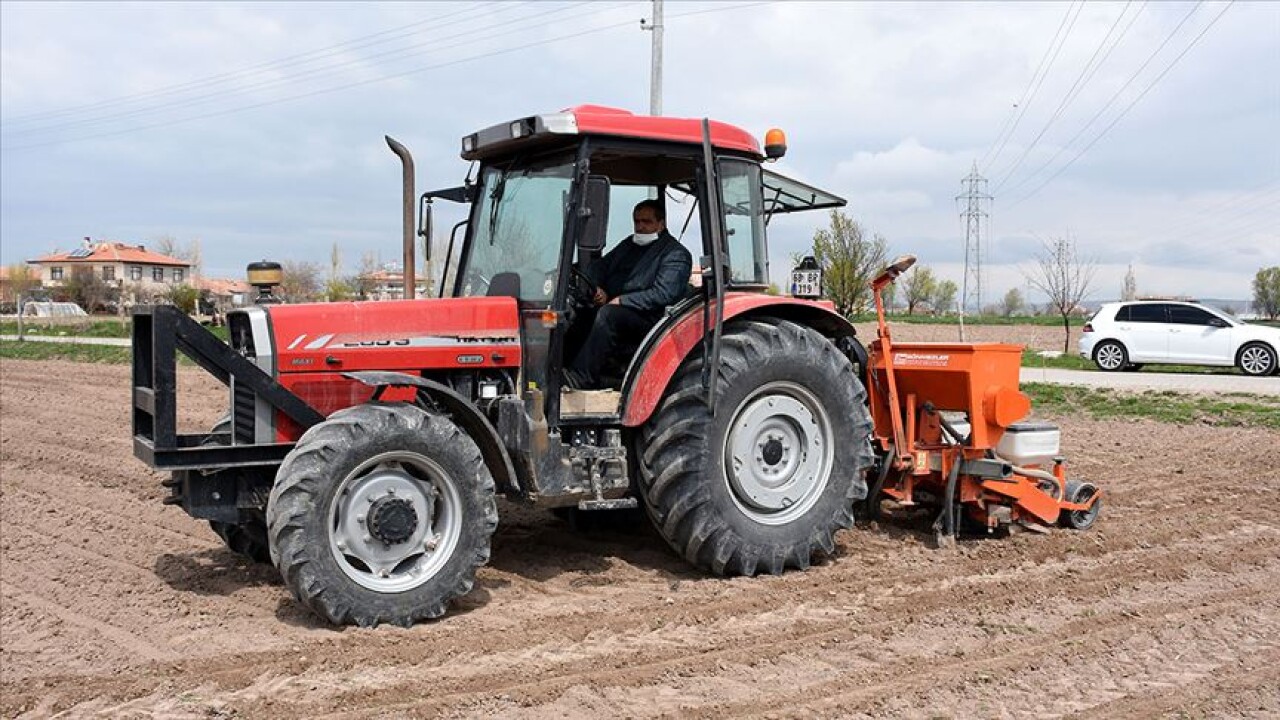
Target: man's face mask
{"points": [[643, 239]]}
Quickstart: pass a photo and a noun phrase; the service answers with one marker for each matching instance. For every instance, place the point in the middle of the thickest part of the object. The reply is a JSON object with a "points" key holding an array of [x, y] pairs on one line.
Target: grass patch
{"points": [[1033, 359], [75, 352], [96, 329], [1043, 320], [1222, 410]]}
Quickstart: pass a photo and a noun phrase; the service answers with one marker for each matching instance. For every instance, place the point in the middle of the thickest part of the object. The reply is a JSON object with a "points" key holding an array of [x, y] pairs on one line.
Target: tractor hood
{"points": [[403, 335]]}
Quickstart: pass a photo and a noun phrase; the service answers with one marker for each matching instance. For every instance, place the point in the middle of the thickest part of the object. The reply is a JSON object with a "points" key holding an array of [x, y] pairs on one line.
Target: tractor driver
{"points": [[635, 282]]}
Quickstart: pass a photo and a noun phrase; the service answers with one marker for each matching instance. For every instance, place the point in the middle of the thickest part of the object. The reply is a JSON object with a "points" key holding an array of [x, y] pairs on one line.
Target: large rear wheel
{"points": [[765, 481], [381, 514]]}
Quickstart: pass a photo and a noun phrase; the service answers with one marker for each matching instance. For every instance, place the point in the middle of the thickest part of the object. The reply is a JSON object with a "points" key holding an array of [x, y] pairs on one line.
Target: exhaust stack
{"points": [[409, 193]]}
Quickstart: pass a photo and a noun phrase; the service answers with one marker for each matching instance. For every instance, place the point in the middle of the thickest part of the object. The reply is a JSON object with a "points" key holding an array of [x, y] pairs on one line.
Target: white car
{"points": [[1125, 335]]}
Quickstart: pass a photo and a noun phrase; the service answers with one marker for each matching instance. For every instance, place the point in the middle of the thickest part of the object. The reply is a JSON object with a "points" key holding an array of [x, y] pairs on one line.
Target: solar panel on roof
{"points": [[82, 252]]}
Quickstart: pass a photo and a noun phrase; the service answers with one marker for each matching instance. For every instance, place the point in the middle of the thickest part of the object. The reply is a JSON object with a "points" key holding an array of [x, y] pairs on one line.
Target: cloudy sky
{"points": [[1148, 132]]}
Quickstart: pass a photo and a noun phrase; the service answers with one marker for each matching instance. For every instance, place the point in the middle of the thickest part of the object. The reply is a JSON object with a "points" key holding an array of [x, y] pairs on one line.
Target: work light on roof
{"points": [[775, 143]]}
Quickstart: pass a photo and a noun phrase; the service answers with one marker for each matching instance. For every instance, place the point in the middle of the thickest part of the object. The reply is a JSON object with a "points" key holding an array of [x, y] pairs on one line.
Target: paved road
{"points": [[1180, 382]]}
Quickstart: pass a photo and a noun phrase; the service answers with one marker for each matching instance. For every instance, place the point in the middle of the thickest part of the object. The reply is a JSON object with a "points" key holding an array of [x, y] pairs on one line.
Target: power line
{"points": [[1110, 101], [1086, 73], [464, 38], [1037, 79], [1128, 107], [383, 78], [259, 68]]}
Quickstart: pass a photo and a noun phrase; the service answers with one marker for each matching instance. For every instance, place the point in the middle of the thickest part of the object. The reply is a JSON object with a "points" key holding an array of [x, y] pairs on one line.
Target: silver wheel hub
{"points": [[394, 521], [777, 453], [1109, 356], [1255, 360]]}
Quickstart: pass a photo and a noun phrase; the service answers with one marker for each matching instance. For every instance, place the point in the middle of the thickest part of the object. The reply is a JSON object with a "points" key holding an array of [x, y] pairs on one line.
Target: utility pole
{"points": [[655, 69], [974, 195]]}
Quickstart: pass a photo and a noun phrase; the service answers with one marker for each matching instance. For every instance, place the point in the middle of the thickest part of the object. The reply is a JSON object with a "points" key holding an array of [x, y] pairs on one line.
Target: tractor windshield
{"points": [[518, 228]]}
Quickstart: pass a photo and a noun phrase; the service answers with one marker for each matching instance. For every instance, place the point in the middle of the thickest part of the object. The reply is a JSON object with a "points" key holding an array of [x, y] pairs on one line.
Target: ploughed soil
{"points": [[114, 604]]}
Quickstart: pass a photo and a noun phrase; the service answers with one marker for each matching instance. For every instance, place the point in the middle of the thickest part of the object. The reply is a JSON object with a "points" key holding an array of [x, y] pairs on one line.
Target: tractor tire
{"points": [[249, 538], [764, 482], [1110, 356], [1256, 359], [381, 514]]}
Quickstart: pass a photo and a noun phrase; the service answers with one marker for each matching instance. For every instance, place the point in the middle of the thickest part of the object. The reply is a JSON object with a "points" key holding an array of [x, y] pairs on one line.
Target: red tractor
{"points": [[367, 441]]}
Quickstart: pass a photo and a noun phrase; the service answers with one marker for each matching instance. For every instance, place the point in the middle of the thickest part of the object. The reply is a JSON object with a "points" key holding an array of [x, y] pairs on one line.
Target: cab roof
{"points": [[601, 120]]}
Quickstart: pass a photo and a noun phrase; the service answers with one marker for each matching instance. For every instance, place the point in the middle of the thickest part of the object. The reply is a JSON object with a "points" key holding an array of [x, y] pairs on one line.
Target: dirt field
{"points": [[114, 604]]}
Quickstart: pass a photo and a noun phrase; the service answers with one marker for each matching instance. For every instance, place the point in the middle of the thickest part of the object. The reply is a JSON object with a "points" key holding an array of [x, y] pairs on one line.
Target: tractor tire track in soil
{"points": [[113, 604]]}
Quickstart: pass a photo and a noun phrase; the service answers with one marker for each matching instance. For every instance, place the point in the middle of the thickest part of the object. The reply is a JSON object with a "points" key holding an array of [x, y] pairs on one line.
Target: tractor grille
{"points": [[243, 405]]}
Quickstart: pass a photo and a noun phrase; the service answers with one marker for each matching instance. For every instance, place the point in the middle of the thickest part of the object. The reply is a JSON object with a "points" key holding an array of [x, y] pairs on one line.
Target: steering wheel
{"points": [[582, 289]]}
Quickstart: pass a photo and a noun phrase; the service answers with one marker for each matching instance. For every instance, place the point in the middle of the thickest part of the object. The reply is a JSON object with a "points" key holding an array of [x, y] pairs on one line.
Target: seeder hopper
{"points": [[949, 432]]}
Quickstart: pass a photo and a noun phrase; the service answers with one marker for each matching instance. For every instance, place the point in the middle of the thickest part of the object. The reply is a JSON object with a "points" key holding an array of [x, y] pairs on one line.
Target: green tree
{"points": [[22, 279], [184, 297], [338, 290], [919, 286], [1266, 292], [1012, 304], [849, 261], [944, 296]]}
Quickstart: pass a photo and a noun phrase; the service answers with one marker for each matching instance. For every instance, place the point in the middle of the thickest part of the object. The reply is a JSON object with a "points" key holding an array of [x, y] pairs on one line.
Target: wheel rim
{"points": [[778, 453], [1255, 360], [1084, 518], [394, 521], [1110, 356]]}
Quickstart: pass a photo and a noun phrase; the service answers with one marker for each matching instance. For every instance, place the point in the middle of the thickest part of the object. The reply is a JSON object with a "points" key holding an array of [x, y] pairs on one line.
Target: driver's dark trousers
{"points": [[615, 330]]}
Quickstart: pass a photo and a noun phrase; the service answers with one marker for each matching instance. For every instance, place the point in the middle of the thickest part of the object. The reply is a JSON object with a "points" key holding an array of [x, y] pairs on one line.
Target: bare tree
{"points": [[300, 281], [175, 248], [87, 289], [918, 287], [1266, 292], [849, 261], [364, 282], [1063, 276]]}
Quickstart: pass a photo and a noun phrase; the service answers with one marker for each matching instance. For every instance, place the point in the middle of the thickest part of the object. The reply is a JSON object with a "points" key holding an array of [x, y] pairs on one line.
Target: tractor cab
{"points": [[555, 192]]}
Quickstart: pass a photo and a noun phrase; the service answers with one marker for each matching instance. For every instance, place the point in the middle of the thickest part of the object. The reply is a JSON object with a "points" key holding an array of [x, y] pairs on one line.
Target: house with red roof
{"points": [[138, 272]]}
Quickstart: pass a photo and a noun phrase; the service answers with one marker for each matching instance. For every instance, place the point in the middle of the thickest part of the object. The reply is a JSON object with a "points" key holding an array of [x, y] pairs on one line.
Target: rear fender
{"points": [[669, 344], [460, 411]]}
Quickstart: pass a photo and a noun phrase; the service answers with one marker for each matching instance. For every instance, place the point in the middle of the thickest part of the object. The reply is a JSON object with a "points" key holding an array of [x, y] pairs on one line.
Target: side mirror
{"points": [[593, 214], [1218, 323]]}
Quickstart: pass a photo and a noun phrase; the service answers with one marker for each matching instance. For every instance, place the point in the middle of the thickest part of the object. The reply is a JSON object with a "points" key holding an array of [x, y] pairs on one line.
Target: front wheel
{"points": [[382, 513], [1110, 356], [1256, 360], [765, 481]]}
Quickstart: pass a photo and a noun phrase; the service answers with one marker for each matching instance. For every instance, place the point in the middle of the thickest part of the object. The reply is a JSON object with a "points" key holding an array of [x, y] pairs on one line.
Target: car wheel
{"points": [[1110, 356], [1256, 359]]}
